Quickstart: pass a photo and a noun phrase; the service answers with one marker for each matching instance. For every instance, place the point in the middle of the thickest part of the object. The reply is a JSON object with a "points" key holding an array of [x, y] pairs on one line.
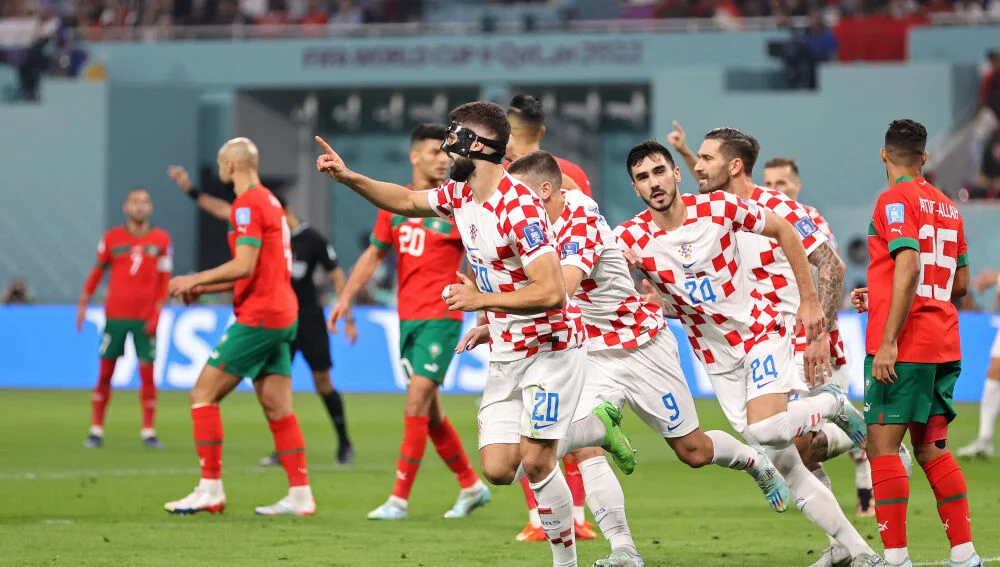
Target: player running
{"points": [[310, 249], [916, 242], [257, 345], [989, 406], [632, 357], [428, 253], [140, 257], [527, 127], [687, 246], [536, 358]]}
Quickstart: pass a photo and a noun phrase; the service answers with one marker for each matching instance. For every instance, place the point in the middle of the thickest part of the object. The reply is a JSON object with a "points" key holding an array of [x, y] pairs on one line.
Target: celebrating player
{"points": [[631, 356], [916, 242], [687, 246], [989, 406], [140, 257], [536, 359], [309, 250], [257, 345], [527, 127], [428, 253]]}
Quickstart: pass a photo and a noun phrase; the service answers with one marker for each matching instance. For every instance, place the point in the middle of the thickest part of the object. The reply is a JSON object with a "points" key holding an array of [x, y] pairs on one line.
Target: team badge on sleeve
{"points": [[806, 227], [570, 249], [243, 216], [894, 213], [534, 235]]}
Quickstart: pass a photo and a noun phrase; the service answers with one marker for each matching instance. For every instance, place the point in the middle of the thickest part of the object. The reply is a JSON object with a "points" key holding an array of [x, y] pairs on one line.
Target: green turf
{"points": [[61, 504]]}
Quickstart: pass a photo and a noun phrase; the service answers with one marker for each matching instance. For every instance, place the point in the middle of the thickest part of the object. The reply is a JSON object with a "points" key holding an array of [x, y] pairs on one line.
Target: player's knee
{"points": [[773, 431], [498, 474], [587, 453], [324, 386], [694, 451]]}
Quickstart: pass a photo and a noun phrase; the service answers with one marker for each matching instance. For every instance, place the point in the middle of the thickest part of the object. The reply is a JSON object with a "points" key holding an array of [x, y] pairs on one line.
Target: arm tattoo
{"points": [[829, 280]]}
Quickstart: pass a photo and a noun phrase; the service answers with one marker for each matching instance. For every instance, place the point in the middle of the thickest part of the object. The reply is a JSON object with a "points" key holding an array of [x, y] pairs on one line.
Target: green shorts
{"points": [[115, 333], [252, 352], [426, 347], [922, 390]]}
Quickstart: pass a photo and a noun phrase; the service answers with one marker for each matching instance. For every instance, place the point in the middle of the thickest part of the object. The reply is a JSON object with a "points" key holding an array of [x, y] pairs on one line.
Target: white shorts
{"points": [[995, 351], [535, 397], [649, 378], [769, 368], [841, 374]]}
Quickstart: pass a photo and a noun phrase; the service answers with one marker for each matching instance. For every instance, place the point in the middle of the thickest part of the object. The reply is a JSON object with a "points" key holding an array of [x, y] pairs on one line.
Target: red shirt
{"points": [[913, 214], [265, 299], [428, 253], [140, 266]]}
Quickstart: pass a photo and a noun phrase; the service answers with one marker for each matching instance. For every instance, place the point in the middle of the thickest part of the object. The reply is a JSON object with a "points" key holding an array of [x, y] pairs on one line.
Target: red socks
{"points": [[449, 447], [948, 483], [147, 395], [410, 454], [575, 481], [102, 393], [208, 440], [291, 449], [892, 493]]}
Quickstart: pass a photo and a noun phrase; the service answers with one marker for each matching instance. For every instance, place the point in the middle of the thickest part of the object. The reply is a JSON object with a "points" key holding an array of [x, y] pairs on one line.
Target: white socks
{"points": [[97, 430], [304, 495], [775, 431], [211, 486], [730, 453], [962, 552], [837, 442], [803, 415], [607, 503], [989, 409], [862, 469], [555, 508], [816, 502], [585, 432]]}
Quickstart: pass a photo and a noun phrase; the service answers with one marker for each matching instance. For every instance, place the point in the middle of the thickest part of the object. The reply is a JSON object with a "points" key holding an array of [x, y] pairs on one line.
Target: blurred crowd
{"points": [[986, 135]]}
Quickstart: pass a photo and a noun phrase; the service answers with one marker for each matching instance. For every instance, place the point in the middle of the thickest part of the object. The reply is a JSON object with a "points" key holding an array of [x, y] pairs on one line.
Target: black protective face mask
{"points": [[460, 140]]}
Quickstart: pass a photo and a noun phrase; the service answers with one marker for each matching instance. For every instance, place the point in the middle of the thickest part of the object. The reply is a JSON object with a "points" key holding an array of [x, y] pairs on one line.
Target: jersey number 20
{"points": [[411, 240], [937, 258]]}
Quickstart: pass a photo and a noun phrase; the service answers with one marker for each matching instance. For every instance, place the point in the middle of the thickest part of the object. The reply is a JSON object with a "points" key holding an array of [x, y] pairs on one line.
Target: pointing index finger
{"points": [[326, 147]]}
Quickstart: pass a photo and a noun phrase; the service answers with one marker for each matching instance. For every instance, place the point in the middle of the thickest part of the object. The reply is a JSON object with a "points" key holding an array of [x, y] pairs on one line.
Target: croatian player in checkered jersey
{"points": [[632, 357], [536, 359], [687, 247]]}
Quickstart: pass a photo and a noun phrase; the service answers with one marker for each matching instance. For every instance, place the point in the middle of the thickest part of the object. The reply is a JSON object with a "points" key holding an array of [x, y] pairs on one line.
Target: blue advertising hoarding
{"points": [[43, 350]]}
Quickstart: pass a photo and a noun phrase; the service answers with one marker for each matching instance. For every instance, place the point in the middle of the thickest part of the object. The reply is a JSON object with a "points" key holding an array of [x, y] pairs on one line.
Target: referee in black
{"points": [[309, 250]]}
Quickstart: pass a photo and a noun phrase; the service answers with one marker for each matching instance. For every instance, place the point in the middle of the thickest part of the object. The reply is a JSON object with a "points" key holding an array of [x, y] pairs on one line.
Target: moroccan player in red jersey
{"points": [[916, 241], [428, 252], [527, 127], [257, 345], [139, 256]]}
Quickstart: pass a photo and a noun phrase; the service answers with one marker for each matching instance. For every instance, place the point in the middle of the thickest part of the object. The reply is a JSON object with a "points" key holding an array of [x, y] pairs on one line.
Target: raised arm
{"points": [[678, 140], [387, 196], [218, 208]]}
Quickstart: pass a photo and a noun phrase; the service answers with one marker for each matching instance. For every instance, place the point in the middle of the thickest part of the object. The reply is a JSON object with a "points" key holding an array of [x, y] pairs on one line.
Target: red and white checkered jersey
{"points": [[838, 353], [822, 225], [502, 237], [763, 256], [614, 315], [697, 270]]}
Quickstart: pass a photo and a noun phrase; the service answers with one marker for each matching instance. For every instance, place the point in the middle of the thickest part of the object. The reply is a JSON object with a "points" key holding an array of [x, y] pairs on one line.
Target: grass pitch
{"points": [[61, 504]]}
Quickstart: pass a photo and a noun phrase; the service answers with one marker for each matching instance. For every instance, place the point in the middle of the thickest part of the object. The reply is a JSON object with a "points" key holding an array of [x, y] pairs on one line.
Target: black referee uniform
{"points": [[309, 250]]}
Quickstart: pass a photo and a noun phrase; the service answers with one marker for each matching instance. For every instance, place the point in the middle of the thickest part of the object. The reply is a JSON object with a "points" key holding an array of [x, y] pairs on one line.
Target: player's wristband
{"points": [[193, 193]]}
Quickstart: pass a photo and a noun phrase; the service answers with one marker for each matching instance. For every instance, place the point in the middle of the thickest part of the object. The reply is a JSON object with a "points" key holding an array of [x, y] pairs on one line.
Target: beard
{"points": [[666, 203], [714, 184], [462, 169]]}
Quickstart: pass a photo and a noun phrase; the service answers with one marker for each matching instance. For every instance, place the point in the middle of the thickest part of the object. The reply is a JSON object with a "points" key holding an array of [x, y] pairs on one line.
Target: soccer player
{"points": [[536, 359], [916, 242], [257, 346], [782, 175], [687, 246], [310, 249], [632, 357], [140, 257], [428, 253], [527, 127], [989, 406]]}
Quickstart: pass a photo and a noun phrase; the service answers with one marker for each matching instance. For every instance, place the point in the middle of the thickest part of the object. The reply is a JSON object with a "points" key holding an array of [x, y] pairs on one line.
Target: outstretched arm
{"points": [[387, 196], [218, 208]]}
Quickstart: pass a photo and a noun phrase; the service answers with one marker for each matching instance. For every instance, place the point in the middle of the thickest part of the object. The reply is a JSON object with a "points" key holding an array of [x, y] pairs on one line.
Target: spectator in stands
{"points": [[987, 182], [347, 14], [988, 115], [316, 14], [16, 292], [806, 49]]}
